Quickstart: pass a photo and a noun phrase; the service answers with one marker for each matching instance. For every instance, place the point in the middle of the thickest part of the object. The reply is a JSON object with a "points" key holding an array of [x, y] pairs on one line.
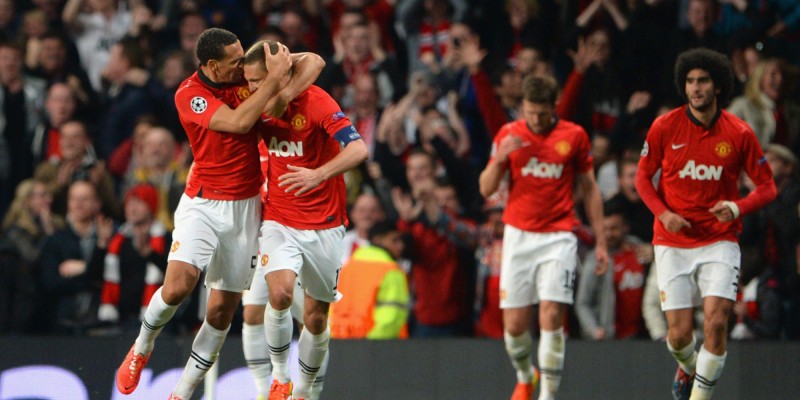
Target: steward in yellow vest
{"points": [[375, 290]]}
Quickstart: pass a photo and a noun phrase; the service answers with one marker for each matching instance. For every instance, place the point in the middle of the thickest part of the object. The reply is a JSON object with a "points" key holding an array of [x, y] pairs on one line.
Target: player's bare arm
{"points": [[306, 68], [593, 204], [241, 119], [304, 179], [491, 176]]}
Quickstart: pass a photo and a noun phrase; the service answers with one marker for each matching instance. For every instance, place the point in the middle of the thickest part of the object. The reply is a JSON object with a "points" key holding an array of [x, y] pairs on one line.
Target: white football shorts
{"points": [[313, 255], [537, 266], [685, 276], [219, 237]]}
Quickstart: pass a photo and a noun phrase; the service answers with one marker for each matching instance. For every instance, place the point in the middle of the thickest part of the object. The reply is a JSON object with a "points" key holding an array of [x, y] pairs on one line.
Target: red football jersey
{"points": [[304, 137], [225, 164], [699, 167], [543, 175]]}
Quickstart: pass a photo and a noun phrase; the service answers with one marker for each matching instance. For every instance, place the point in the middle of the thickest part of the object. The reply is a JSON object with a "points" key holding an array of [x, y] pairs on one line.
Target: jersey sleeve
{"points": [[649, 163], [196, 105], [583, 153], [330, 117], [755, 164], [753, 160]]}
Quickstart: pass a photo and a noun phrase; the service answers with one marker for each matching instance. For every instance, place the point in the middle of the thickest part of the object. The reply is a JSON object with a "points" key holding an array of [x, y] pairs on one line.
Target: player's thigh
{"points": [[517, 288], [322, 263], [555, 277], [234, 264], [194, 239], [677, 283], [718, 275]]}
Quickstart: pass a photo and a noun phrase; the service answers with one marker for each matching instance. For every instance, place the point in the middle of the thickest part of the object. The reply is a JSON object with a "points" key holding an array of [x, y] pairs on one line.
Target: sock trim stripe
{"points": [[201, 360], [319, 379], [152, 327], [704, 380], [258, 361], [281, 349], [307, 369], [547, 371]]}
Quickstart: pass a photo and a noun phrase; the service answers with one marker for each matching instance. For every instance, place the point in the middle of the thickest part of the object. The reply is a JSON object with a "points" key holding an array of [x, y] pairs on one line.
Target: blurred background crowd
{"points": [[93, 159]]}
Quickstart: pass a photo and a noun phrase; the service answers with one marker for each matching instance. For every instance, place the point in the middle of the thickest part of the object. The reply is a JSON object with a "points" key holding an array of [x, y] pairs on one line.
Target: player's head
{"points": [[704, 78], [255, 69], [538, 102], [221, 54]]}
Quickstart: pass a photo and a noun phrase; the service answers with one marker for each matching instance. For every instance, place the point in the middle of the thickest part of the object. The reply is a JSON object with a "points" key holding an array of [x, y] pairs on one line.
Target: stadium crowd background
{"points": [[91, 146]]}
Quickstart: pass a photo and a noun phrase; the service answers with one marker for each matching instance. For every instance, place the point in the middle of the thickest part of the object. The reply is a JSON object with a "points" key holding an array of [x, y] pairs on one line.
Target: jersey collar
{"points": [[208, 80], [697, 121]]}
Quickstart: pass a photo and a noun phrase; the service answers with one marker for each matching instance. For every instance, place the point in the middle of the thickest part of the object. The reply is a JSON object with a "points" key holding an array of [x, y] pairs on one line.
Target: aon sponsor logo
{"points": [[542, 169], [285, 148], [701, 172]]}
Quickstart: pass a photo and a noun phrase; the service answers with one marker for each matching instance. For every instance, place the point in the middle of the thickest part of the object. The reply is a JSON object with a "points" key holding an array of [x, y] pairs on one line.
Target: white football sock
{"points": [[319, 381], [278, 326], [205, 351], [311, 352], [157, 315], [256, 354], [551, 362], [686, 357], [519, 350], [709, 369]]}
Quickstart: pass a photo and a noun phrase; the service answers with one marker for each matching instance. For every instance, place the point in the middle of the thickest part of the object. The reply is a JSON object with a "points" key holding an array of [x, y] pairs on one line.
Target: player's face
{"points": [[229, 68], [700, 90], [538, 116], [255, 75]]}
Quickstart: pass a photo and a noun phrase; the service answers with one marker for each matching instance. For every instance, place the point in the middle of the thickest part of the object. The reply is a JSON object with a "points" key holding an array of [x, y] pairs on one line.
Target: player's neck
{"points": [[704, 116]]}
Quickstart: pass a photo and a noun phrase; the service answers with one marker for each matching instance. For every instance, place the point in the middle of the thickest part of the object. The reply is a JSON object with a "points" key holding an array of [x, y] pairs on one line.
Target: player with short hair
{"points": [[216, 222], [543, 157], [701, 150], [310, 145]]}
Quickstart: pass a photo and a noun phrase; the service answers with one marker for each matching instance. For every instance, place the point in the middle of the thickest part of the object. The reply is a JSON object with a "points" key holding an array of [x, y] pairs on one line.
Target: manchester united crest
{"points": [[563, 147], [242, 92], [723, 149], [175, 246], [299, 121], [264, 260]]}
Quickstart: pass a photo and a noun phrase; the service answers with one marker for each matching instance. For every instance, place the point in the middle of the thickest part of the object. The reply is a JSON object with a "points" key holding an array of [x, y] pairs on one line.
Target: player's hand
{"points": [[722, 212], [278, 64], [673, 222], [508, 145], [300, 179], [601, 258]]}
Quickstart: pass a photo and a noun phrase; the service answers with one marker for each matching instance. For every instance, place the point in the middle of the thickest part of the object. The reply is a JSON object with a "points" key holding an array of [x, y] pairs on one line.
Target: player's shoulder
{"points": [[570, 130], [671, 117], [734, 124], [516, 126], [192, 84]]}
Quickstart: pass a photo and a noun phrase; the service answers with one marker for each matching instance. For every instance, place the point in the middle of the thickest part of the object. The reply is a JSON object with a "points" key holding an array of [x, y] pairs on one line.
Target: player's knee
{"points": [[281, 298], [316, 322], [253, 314], [715, 325], [175, 294]]}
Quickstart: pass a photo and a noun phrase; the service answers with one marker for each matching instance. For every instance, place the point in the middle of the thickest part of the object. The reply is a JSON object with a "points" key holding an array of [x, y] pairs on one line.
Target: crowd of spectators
{"points": [[93, 158]]}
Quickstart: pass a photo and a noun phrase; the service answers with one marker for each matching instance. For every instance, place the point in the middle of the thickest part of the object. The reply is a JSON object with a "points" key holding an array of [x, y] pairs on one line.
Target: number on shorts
{"points": [[569, 280], [253, 261], [336, 282]]}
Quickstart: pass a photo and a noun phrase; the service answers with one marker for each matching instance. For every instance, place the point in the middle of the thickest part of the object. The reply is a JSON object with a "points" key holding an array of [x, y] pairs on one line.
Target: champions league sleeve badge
{"points": [[198, 104]]}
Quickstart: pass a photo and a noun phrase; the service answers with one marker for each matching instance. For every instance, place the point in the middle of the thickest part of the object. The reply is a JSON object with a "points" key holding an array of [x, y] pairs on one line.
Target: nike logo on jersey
{"points": [[677, 146], [266, 119]]}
